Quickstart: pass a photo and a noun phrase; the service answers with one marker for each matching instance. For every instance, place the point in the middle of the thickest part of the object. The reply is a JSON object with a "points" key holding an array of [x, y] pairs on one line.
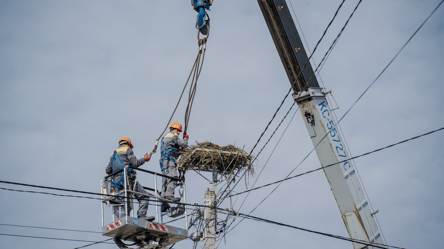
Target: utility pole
{"points": [[316, 113], [210, 215]]}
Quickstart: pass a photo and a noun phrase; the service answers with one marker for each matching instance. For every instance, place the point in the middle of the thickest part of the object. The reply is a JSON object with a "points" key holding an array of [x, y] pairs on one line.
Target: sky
{"points": [[76, 76]]}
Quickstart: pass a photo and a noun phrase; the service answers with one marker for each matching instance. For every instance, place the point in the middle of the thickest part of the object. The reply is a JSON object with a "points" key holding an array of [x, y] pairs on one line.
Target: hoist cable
{"points": [[197, 68], [193, 89], [177, 105]]}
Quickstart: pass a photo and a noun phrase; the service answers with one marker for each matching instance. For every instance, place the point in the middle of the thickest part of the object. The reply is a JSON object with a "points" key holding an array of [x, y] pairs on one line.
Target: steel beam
{"points": [[288, 44]]}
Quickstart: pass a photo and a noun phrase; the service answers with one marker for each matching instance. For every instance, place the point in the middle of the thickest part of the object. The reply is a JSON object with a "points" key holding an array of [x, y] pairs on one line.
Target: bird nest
{"points": [[206, 156]]}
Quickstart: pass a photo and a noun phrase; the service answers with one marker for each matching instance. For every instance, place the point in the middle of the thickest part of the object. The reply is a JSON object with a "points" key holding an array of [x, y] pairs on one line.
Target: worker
{"points": [[119, 159], [171, 144]]}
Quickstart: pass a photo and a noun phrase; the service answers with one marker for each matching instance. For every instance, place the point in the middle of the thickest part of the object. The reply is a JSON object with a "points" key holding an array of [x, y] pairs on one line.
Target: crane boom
{"points": [[321, 125]]}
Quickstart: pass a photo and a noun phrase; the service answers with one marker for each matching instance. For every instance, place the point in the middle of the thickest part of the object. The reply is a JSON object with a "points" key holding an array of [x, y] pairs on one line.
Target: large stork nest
{"points": [[204, 156]]}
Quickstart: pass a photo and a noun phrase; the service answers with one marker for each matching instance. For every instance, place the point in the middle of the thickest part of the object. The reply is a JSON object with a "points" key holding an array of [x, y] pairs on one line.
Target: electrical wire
{"points": [[48, 228], [49, 238], [351, 158], [279, 125], [262, 169], [377, 245], [95, 243], [47, 193], [260, 173], [288, 93], [74, 196]]}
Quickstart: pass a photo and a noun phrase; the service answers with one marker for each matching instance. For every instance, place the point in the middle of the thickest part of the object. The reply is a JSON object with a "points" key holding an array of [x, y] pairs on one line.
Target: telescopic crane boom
{"points": [[316, 113]]}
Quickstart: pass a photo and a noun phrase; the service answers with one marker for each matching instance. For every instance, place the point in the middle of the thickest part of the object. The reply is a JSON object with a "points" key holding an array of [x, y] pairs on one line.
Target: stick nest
{"points": [[204, 156]]}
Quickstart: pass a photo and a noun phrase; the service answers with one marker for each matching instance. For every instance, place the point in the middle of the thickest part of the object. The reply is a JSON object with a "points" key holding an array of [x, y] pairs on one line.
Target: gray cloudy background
{"points": [[75, 76]]}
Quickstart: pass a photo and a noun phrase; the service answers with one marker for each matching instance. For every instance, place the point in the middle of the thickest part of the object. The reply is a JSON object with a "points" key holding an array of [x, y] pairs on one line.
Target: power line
{"points": [[377, 245], [264, 166], [351, 158], [263, 149], [270, 154], [95, 243], [49, 238], [53, 188], [47, 193], [308, 61], [72, 190], [49, 228]]}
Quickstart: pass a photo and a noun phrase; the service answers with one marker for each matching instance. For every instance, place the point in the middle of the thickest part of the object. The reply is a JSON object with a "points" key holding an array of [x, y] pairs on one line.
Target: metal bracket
{"points": [[310, 93]]}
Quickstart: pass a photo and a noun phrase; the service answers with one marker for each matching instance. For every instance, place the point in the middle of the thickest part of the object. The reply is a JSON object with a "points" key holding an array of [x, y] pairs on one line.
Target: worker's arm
{"points": [[181, 142], [133, 160]]}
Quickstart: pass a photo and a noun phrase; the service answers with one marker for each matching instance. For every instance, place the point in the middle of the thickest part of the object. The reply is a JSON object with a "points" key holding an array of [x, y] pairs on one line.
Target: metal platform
{"points": [[128, 228], [133, 229]]}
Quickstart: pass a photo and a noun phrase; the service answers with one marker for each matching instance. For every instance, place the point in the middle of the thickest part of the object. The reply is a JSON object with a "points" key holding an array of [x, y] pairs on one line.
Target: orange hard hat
{"points": [[128, 140], [176, 125]]}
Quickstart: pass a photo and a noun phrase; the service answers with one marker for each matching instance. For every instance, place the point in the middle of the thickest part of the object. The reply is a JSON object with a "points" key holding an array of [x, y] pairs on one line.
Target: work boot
{"points": [[147, 218]]}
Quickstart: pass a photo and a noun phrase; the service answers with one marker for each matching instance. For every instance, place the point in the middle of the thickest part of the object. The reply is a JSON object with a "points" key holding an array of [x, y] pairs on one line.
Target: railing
{"points": [[128, 195]]}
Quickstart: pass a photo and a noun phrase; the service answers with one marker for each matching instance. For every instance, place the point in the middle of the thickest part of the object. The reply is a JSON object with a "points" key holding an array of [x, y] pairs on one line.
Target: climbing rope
{"points": [[195, 72]]}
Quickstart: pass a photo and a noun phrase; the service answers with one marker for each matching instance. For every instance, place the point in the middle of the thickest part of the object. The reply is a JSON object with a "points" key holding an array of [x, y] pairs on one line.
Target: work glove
{"points": [[147, 157], [185, 136]]}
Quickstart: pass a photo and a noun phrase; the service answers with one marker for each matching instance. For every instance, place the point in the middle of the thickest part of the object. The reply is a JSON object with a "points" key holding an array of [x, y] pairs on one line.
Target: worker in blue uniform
{"points": [[119, 159], [171, 144]]}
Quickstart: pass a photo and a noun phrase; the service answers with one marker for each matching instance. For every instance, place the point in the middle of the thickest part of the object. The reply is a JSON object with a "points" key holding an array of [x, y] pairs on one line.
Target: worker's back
{"points": [[173, 141], [126, 157]]}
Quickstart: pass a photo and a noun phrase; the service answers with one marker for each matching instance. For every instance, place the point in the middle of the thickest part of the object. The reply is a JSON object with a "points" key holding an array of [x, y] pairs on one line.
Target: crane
{"points": [[322, 128]]}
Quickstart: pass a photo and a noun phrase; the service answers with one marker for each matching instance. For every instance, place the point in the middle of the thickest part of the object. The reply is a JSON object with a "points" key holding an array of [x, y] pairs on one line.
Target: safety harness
{"points": [[118, 184], [167, 154]]}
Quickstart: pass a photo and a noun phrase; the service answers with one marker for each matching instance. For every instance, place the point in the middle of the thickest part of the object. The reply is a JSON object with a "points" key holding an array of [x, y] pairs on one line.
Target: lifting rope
{"points": [[195, 71]]}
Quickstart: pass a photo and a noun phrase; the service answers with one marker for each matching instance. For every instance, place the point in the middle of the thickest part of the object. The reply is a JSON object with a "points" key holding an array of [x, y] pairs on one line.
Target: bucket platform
{"points": [[137, 230], [130, 229]]}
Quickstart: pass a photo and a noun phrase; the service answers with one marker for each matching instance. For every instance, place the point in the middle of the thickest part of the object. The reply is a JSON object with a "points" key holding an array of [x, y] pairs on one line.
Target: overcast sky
{"points": [[75, 76]]}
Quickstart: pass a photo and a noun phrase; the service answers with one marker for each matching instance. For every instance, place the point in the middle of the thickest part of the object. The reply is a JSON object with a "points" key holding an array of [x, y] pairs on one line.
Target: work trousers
{"points": [[169, 185], [119, 211]]}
